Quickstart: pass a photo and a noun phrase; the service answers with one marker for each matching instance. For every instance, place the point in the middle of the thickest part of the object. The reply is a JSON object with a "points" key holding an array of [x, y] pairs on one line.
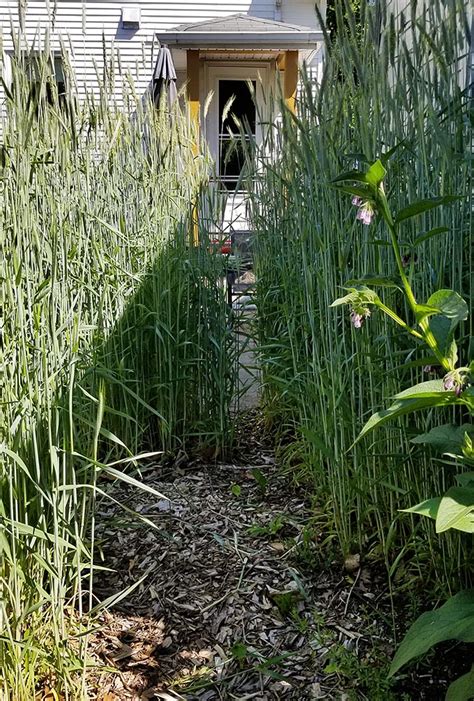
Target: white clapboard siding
{"points": [[301, 12], [433, 16], [86, 26]]}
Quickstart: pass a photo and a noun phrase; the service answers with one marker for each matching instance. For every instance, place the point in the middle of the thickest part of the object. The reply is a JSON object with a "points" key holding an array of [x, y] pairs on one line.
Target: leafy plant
{"points": [[271, 529], [259, 478], [286, 603], [236, 490], [321, 376], [433, 325]]}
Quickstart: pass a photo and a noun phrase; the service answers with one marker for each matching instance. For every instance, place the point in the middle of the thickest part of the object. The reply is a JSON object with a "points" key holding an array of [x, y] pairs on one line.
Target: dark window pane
{"points": [[43, 72], [231, 160], [231, 147], [243, 106]]}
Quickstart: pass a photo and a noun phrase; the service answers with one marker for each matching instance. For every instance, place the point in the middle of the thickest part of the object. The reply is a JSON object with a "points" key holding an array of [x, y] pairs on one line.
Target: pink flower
{"points": [[358, 316], [449, 383], [457, 380], [366, 210], [366, 213]]}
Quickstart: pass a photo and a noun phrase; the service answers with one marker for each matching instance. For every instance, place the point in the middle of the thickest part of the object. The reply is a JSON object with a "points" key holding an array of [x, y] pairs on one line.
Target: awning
{"points": [[241, 31]]}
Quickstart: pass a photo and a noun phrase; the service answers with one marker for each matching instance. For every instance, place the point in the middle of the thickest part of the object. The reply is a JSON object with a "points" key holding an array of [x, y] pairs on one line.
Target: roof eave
{"points": [[241, 40]]}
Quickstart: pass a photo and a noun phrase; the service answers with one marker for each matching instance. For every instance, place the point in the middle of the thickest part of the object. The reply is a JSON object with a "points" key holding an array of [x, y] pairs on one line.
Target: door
{"points": [[237, 100]]}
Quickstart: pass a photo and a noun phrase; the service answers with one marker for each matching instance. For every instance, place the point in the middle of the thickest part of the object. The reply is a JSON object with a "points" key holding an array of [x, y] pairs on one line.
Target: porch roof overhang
{"points": [[241, 32]]}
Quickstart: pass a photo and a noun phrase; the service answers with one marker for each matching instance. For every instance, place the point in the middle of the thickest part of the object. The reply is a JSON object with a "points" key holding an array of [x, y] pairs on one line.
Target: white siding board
{"points": [[82, 24], [300, 12]]}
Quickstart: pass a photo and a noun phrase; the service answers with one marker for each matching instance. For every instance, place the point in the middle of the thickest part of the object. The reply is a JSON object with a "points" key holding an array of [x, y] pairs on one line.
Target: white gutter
{"points": [[241, 40]]}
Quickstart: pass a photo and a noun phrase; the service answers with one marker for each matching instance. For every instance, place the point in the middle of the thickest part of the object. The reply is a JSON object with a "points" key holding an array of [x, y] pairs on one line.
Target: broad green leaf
{"points": [[424, 206], [447, 438], [375, 174], [452, 310], [467, 398], [449, 304], [440, 327], [456, 510], [452, 621], [347, 299], [423, 389], [239, 651], [407, 406], [451, 354], [350, 175], [465, 479], [461, 689], [429, 508], [423, 310], [400, 408], [358, 191], [259, 477], [236, 490], [358, 295], [429, 234]]}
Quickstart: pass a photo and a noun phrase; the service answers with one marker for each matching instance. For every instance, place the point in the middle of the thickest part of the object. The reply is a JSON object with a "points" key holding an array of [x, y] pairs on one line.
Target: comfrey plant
{"points": [[435, 322]]}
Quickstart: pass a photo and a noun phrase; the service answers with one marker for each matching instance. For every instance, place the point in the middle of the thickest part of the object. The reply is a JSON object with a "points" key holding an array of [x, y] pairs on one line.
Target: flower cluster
{"points": [[366, 210], [359, 315], [457, 380]]}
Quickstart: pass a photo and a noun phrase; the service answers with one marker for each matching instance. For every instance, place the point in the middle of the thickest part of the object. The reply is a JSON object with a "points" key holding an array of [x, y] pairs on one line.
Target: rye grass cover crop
{"points": [[115, 342], [393, 86]]}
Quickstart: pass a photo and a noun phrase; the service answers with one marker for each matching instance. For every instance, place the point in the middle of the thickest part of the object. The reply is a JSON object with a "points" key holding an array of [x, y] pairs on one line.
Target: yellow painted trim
{"points": [[193, 91], [194, 104], [290, 79]]}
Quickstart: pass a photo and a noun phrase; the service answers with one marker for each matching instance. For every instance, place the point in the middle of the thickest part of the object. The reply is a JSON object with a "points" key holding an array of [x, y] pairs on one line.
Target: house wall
{"points": [[433, 16], [87, 26]]}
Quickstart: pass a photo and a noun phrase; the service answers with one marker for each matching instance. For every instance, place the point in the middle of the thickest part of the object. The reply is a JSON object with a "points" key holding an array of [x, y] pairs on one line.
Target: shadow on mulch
{"points": [[239, 600]]}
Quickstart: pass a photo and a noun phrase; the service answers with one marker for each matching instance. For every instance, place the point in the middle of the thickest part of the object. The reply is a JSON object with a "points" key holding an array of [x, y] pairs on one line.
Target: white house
{"points": [[217, 48]]}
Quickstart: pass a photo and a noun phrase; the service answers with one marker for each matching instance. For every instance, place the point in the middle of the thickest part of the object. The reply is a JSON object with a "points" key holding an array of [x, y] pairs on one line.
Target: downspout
{"points": [[277, 12]]}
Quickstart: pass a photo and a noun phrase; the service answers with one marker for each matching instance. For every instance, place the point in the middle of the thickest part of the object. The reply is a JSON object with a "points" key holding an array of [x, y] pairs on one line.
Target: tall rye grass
{"points": [[114, 340], [405, 88], [115, 337]]}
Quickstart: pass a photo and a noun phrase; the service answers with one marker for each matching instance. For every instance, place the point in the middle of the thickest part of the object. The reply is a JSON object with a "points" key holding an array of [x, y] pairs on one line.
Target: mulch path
{"points": [[233, 598]]}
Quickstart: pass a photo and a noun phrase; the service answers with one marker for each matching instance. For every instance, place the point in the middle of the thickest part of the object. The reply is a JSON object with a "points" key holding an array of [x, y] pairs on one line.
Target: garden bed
{"points": [[241, 597]]}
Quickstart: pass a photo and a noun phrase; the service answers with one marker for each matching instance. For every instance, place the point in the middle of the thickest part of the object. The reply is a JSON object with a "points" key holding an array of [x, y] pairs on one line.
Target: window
{"points": [[42, 72], [53, 71], [236, 112]]}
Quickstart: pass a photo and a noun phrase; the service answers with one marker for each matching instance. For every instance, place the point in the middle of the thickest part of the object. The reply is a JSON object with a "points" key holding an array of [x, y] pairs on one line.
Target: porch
{"points": [[235, 69]]}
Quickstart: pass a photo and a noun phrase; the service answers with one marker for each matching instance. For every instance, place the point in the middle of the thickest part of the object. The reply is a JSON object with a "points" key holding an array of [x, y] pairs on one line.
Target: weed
{"points": [[272, 529]]}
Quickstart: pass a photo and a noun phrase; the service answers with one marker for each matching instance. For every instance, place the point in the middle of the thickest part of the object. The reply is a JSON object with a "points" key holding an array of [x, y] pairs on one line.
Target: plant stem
{"points": [[426, 333]]}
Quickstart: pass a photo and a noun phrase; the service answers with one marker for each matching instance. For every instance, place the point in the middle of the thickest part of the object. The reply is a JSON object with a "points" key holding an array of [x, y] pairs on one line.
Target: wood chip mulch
{"points": [[233, 597], [226, 608]]}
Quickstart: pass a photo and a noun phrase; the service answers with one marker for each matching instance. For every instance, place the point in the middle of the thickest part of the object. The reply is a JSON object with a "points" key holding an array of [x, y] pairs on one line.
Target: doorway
{"points": [[237, 99]]}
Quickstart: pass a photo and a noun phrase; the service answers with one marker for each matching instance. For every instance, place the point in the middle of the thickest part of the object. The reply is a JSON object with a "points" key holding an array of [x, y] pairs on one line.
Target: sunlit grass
{"points": [[115, 342], [405, 90]]}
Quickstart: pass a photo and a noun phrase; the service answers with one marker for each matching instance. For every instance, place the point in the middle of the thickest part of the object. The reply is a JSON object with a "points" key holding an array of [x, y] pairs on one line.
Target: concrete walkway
{"points": [[249, 386]]}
